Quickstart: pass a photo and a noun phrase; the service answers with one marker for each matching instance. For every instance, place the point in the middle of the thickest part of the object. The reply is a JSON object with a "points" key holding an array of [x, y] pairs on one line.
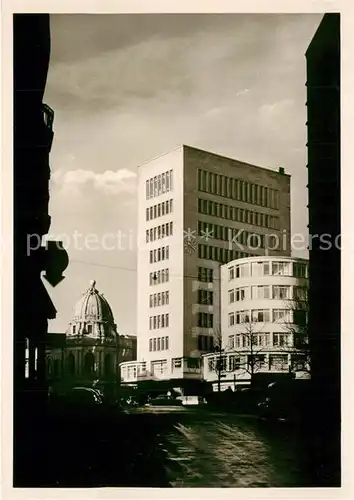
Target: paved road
{"points": [[165, 447], [206, 449]]}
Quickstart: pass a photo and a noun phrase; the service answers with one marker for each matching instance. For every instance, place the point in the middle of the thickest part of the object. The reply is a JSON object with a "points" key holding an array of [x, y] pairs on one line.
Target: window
{"points": [[280, 339], [158, 343], [205, 297], [260, 292], [261, 339], [150, 345], [240, 294], [154, 344], [89, 329], [74, 329], [177, 363], [300, 293], [231, 273], [171, 180], [278, 361], [231, 296], [281, 268], [159, 367], [257, 268], [281, 315], [234, 363], [241, 317], [260, 315], [231, 341], [242, 270], [231, 319], [258, 361], [281, 292], [238, 340], [299, 270], [266, 268], [205, 320]]}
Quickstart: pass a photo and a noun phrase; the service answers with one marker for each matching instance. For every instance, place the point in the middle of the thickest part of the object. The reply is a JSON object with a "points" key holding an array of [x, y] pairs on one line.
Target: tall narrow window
{"points": [[171, 180]]}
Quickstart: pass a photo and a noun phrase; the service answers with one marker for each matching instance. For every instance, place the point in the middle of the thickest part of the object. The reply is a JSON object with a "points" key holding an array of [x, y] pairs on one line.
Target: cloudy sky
{"points": [[126, 88]]}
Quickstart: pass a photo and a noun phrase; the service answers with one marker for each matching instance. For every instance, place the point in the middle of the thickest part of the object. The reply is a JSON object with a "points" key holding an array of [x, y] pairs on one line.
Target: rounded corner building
{"points": [[263, 321]]}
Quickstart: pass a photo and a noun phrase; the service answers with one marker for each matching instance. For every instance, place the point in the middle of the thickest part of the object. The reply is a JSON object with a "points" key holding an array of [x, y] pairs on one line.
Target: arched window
{"points": [[71, 364], [89, 363]]}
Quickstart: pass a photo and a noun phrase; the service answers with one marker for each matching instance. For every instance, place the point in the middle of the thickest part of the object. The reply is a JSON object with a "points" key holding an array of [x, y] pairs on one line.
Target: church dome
{"points": [[92, 314]]}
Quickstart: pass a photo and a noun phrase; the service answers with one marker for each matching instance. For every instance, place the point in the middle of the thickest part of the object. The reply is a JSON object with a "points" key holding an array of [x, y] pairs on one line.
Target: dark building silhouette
{"points": [[33, 307], [323, 126]]}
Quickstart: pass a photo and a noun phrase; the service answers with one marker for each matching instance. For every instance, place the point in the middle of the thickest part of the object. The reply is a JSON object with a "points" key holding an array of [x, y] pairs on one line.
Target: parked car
{"points": [[164, 400], [82, 400], [191, 400]]}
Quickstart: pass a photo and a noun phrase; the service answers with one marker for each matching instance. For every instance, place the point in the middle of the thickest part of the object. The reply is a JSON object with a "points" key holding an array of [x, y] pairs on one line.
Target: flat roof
{"points": [[275, 171]]}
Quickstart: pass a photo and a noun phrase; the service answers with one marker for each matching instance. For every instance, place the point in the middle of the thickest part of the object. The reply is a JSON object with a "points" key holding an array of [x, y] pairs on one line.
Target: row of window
{"points": [[205, 274], [158, 277], [264, 339], [261, 316], [279, 292], [235, 189], [272, 268], [159, 299], [205, 320], [205, 297], [159, 184], [222, 211], [159, 344], [237, 236], [159, 321], [218, 254], [159, 232], [159, 210], [159, 254], [259, 361]]}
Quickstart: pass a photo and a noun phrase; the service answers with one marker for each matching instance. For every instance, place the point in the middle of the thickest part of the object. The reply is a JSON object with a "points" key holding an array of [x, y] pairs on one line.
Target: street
{"points": [[167, 447], [223, 450]]}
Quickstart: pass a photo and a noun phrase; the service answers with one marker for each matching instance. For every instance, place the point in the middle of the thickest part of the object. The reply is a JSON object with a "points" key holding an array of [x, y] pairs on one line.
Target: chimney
{"points": [[281, 171]]}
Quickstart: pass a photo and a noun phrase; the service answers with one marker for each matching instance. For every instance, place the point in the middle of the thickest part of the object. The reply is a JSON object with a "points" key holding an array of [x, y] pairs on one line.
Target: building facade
{"points": [[196, 211], [323, 58], [323, 150], [92, 349], [263, 321]]}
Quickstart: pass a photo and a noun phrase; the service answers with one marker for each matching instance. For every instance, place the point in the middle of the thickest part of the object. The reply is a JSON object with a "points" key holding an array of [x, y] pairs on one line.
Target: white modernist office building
{"points": [[263, 321], [196, 211]]}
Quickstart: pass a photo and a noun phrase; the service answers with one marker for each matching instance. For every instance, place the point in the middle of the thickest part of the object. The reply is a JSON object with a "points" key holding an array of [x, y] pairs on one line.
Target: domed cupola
{"points": [[93, 315]]}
